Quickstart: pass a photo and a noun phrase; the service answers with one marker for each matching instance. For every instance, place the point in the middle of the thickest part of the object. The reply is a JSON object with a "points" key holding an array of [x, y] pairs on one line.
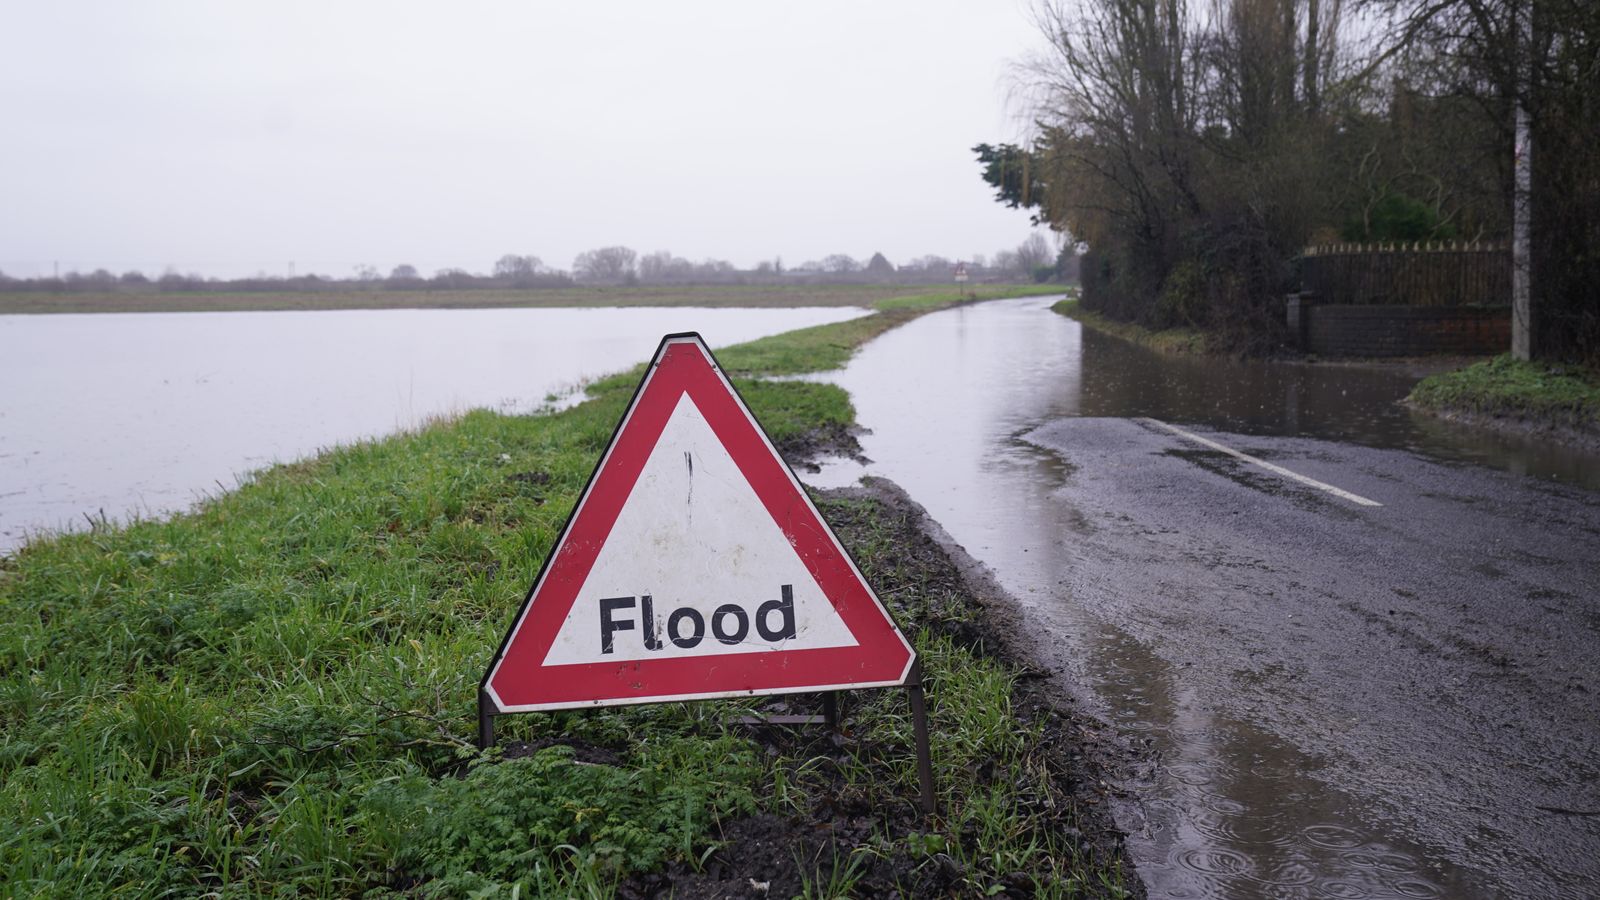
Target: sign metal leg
{"points": [[830, 710], [919, 726], [485, 723]]}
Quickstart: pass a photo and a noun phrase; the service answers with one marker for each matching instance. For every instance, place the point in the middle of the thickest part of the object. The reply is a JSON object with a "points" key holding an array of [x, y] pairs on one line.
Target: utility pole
{"points": [[1522, 323]]}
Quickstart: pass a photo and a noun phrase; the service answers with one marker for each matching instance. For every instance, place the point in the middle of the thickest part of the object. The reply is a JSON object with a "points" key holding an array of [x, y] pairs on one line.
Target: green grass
{"points": [[769, 295], [275, 693], [1176, 341], [1540, 393], [221, 698]]}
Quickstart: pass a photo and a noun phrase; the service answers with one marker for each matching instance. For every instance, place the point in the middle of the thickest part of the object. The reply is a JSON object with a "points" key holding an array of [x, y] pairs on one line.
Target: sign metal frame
{"points": [[909, 677]]}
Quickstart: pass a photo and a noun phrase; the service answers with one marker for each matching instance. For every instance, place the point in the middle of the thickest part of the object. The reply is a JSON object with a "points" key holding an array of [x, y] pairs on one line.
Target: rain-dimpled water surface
{"points": [[1230, 808], [147, 412]]}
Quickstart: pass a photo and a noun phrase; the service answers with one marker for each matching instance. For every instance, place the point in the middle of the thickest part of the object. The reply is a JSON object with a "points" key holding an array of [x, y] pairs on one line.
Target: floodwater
{"points": [[1231, 810], [148, 412]]}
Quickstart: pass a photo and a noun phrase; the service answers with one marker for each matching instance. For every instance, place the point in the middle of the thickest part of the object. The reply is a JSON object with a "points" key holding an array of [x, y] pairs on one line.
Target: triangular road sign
{"points": [[693, 566]]}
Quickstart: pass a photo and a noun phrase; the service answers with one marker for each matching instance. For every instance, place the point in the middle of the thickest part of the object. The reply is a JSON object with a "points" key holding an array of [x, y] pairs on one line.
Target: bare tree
{"points": [[840, 263], [663, 266], [452, 278], [607, 264], [1533, 68], [98, 280], [518, 268], [1033, 253], [1188, 143]]}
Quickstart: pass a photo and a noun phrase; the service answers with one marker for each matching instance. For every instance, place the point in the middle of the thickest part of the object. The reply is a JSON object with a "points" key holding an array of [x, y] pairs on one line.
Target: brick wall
{"points": [[1405, 330]]}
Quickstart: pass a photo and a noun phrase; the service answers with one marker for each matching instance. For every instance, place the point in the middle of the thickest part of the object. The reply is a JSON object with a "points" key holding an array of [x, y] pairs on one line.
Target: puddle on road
{"points": [[1239, 812], [1232, 811]]}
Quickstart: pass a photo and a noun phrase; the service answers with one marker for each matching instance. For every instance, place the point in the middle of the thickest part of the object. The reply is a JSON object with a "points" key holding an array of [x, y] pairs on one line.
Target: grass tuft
{"points": [[1540, 393], [1173, 341]]}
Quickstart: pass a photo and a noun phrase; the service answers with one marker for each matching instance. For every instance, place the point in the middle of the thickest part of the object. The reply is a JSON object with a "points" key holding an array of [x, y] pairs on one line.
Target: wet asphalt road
{"points": [[1322, 698], [1436, 658]]}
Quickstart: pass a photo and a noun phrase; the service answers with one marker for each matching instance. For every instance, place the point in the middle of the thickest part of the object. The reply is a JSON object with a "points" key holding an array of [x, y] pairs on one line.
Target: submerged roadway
{"points": [[1349, 654]]}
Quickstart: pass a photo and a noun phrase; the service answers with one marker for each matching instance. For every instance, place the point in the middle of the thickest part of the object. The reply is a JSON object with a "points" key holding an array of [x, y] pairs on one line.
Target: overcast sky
{"points": [[232, 138]]}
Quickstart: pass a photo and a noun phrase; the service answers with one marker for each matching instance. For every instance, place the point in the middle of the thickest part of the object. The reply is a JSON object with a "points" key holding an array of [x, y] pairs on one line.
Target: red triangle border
{"points": [[517, 680]]}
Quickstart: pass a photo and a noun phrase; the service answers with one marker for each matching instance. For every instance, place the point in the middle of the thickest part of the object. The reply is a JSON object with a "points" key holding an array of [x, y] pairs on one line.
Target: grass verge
{"points": [[274, 694], [1529, 394], [1175, 341]]}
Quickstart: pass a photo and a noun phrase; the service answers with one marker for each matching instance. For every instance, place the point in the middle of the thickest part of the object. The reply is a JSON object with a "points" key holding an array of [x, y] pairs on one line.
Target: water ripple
{"points": [[1342, 890], [1333, 837], [1213, 861]]}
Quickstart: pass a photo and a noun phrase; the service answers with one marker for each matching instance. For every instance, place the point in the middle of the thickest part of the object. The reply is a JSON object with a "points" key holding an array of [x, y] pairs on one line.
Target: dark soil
{"points": [[1526, 426], [772, 854], [831, 440]]}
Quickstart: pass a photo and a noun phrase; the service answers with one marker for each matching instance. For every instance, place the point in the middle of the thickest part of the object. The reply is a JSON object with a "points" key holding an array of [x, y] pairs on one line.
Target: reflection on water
{"points": [[1358, 404], [1239, 812], [148, 411], [1234, 810]]}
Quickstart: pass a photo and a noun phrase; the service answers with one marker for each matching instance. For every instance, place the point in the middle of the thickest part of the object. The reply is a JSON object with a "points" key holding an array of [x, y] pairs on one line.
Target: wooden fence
{"points": [[1435, 273]]}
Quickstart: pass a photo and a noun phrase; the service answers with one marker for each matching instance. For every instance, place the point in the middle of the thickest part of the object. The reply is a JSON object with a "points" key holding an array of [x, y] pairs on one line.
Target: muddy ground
{"points": [[1523, 427], [763, 854]]}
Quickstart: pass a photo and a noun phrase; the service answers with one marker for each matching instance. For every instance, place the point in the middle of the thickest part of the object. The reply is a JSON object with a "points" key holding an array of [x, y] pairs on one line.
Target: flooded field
{"points": [[1260, 784], [148, 412]]}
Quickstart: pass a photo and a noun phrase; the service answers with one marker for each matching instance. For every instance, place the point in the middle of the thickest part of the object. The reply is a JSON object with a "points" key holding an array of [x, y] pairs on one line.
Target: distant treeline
{"points": [[1032, 260]]}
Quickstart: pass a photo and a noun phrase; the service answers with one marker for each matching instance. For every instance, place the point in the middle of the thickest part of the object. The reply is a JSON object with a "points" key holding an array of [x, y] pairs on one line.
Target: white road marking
{"points": [[1277, 470]]}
